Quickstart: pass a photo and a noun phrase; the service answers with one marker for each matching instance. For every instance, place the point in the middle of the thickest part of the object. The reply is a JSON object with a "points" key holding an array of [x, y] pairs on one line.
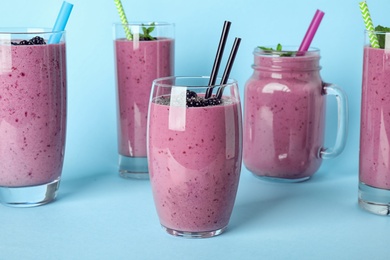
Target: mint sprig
{"points": [[147, 31], [278, 51], [382, 37]]}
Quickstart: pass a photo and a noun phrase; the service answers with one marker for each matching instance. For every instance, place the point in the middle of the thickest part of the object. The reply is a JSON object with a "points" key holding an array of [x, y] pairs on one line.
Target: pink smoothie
{"points": [[284, 117], [375, 119], [194, 164], [137, 65], [32, 113]]}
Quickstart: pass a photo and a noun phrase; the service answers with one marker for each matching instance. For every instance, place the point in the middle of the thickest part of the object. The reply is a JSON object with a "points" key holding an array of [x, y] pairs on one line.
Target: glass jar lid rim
{"points": [[287, 51]]}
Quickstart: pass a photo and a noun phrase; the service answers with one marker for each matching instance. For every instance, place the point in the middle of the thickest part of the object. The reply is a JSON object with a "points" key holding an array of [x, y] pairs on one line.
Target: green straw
{"points": [[369, 25], [123, 18]]}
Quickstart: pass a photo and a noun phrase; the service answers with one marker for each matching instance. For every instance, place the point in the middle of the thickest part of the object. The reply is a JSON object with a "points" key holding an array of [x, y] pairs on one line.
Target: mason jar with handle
{"points": [[284, 115]]}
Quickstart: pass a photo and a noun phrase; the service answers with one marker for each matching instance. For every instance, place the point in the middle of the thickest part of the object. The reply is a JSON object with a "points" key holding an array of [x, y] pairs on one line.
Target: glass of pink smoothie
{"points": [[374, 158], [284, 116], [194, 154], [138, 61], [33, 101]]}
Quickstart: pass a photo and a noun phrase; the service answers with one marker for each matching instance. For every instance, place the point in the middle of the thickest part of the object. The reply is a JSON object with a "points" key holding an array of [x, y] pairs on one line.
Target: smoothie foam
{"points": [[32, 113], [195, 164], [138, 63], [375, 119]]}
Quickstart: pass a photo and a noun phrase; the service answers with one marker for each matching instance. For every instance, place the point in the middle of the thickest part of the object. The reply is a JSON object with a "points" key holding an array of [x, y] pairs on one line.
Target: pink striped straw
{"points": [[311, 31]]}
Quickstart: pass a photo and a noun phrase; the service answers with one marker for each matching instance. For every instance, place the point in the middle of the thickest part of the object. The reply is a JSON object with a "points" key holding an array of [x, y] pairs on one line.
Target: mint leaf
{"points": [[146, 32], [288, 54], [265, 48], [382, 37], [278, 51]]}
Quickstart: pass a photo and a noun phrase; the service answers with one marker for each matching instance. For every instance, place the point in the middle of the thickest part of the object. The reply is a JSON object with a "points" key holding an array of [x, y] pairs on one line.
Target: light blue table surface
{"points": [[98, 215]]}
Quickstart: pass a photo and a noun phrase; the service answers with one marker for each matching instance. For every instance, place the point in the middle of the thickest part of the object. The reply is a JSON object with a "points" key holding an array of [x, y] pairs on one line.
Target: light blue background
{"points": [[100, 216]]}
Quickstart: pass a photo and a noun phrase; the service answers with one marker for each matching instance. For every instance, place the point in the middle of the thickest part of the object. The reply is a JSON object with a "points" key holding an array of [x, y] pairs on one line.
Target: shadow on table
{"points": [[249, 213], [77, 185], [258, 201]]}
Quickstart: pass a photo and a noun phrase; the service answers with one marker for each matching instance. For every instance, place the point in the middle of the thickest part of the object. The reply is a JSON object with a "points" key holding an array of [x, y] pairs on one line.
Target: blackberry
{"points": [[214, 101], [191, 94], [196, 102], [201, 102], [33, 41], [24, 42], [191, 102], [37, 40]]}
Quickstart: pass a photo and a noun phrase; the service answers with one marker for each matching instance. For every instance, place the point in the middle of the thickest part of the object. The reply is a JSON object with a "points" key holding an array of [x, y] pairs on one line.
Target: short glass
{"points": [[284, 116], [194, 154], [138, 61], [33, 104], [374, 157]]}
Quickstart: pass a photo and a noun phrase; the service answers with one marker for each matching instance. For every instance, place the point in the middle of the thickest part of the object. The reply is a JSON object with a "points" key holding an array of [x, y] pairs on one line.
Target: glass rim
{"points": [[144, 23], [286, 50], [376, 32], [160, 82], [28, 30]]}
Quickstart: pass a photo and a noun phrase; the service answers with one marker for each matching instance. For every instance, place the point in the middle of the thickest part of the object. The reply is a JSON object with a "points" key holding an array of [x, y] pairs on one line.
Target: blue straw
{"points": [[61, 21]]}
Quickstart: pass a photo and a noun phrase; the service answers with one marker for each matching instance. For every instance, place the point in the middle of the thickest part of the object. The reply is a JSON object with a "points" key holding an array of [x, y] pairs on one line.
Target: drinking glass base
{"points": [[374, 200], [29, 196], [281, 180], [201, 234], [133, 167]]}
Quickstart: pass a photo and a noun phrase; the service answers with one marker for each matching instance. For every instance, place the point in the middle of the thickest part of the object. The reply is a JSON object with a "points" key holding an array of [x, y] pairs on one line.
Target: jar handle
{"points": [[342, 122]]}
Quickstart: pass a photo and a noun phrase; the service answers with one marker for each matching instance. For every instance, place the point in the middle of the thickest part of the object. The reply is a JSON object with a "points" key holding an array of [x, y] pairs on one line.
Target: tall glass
{"points": [[374, 158], [194, 153], [32, 115], [138, 61], [284, 116]]}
